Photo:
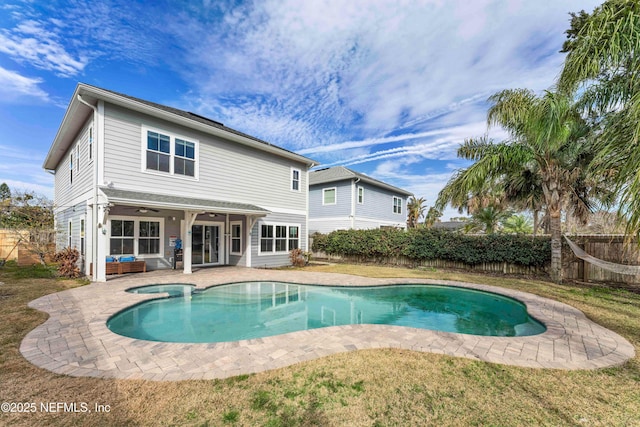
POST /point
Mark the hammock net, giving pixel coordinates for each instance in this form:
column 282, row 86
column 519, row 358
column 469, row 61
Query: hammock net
column 610, row 266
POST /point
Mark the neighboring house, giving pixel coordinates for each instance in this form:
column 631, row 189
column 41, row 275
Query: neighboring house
column 340, row 199
column 132, row 177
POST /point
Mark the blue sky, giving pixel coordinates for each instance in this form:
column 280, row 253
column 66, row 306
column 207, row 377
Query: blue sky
column 387, row 88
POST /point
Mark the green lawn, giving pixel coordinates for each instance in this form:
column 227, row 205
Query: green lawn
column 373, row 387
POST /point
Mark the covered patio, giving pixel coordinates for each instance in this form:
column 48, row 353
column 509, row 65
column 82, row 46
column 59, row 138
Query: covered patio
column 150, row 227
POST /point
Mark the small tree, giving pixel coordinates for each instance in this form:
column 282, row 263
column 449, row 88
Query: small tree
column 30, row 217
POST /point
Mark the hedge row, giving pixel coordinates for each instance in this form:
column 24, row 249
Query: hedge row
column 431, row 244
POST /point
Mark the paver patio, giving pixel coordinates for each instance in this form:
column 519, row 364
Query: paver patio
column 76, row 341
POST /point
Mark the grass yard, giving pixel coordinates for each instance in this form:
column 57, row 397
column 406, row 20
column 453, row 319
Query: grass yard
column 367, row 388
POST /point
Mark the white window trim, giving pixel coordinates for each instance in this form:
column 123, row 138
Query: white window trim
column 136, row 235
column 90, row 144
column 393, row 207
column 172, row 154
column 336, row 196
column 360, row 188
column 83, row 241
column 299, row 180
column 71, row 166
column 78, row 157
column 231, row 224
column 70, row 234
column 274, row 224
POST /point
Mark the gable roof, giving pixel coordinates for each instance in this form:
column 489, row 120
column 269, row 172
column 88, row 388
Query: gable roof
column 340, row 173
column 77, row 113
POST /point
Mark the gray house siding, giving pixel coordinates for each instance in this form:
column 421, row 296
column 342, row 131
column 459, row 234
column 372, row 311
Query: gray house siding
column 375, row 211
column 328, row 225
column 274, row 260
column 343, row 200
column 226, row 170
column 66, row 191
column 72, row 215
column 378, row 205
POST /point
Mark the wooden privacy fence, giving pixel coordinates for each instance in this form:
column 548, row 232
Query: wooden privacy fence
column 8, row 245
column 17, row 246
column 608, row 247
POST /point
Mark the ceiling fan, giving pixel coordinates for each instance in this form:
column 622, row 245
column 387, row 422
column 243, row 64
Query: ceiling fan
column 145, row 210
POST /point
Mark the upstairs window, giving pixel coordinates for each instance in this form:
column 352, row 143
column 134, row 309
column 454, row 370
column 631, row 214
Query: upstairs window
column 171, row 154
column 329, row 196
column 397, row 205
column 360, row 195
column 90, row 144
column 158, row 152
column 78, row 157
column 71, row 168
column 295, row 179
column 184, row 162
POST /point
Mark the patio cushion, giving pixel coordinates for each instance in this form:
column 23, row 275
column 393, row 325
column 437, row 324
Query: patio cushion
column 111, row 259
column 127, row 259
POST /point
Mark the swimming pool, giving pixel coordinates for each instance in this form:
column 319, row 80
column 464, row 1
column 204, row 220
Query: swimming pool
column 260, row 309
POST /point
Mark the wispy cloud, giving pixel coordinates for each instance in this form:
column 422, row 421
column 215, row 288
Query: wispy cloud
column 30, row 42
column 14, row 86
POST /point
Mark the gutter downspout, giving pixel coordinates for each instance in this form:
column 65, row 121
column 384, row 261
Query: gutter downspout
column 94, row 211
column 354, row 198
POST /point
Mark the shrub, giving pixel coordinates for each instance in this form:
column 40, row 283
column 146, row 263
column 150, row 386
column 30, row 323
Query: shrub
column 67, row 262
column 299, row 258
column 432, row 244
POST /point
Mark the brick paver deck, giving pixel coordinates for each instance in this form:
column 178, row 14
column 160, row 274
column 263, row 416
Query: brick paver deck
column 75, row 340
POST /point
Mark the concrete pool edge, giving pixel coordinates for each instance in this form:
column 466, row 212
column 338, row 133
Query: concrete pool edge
column 75, row 340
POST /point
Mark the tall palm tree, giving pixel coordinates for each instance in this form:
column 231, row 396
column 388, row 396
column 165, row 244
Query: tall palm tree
column 547, row 136
column 604, row 61
column 415, row 211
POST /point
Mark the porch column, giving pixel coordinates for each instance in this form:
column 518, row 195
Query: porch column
column 250, row 222
column 227, row 240
column 102, row 238
column 189, row 219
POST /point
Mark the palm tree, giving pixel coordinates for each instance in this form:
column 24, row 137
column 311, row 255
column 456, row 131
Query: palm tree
column 487, row 219
column 433, row 216
column 518, row 224
column 547, row 137
column 604, row 61
column 415, row 211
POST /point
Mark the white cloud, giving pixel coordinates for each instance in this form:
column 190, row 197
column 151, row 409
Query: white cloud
column 30, row 42
column 14, row 86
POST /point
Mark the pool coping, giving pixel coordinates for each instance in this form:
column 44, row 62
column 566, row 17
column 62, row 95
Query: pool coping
column 75, row 340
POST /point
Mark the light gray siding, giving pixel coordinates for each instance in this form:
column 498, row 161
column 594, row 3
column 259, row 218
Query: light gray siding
column 65, row 190
column 72, row 216
column 343, row 200
column 226, row 170
column 378, row 205
column 375, row 211
column 278, row 259
column 324, row 226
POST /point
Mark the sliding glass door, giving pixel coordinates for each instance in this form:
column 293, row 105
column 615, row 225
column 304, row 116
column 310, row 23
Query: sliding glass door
column 206, row 247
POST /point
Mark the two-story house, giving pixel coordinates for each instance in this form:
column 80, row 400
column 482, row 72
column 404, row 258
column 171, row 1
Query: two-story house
column 341, row 199
column 134, row 178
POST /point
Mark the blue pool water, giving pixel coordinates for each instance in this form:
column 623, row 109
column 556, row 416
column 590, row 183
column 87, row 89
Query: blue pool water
column 261, row 309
